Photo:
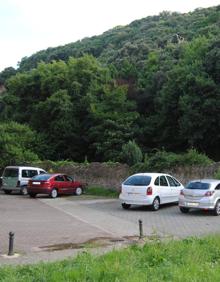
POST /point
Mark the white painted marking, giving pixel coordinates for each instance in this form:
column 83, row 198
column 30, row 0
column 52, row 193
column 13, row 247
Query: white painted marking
column 78, row 218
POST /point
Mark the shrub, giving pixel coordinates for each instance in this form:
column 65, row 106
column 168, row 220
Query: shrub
column 131, row 153
column 193, row 157
column 17, row 144
column 165, row 160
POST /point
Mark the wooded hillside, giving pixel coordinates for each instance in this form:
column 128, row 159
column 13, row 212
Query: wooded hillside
column 155, row 83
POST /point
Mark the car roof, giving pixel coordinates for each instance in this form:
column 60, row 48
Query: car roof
column 24, row 167
column 153, row 174
column 52, row 174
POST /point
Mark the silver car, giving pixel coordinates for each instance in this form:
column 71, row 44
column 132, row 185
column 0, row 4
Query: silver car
column 201, row 194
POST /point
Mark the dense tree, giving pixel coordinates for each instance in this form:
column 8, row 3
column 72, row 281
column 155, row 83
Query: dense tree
column 113, row 118
column 6, row 74
column 18, row 144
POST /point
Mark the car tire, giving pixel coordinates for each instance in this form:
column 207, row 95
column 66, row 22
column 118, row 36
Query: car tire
column 24, row 190
column 156, row 204
column 7, row 191
column 125, row 206
column 54, row 193
column 32, row 195
column 78, row 191
column 217, row 208
column 184, row 210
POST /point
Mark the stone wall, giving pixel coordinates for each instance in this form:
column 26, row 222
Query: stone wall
column 98, row 174
column 112, row 175
column 184, row 174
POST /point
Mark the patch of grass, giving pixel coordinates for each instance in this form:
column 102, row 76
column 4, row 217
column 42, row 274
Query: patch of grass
column 192, row 259
column 101, row 191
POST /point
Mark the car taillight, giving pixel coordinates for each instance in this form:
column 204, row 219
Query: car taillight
column 18, row 183
column 209, row 193
column 181, row 193
column 149, row 191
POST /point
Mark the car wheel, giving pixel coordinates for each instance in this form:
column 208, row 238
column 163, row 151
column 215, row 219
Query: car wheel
column 32, row 195
column 125, row 206
column 23, row 190
column 54, row 193
column 156, row 204
column 78, row 191
column 7, row 192
column 184, row 210
column 217, row 208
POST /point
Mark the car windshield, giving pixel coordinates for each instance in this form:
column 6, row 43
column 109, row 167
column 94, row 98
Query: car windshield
column 138, row 180
column 41, row 177
column 198, row 185
column 11, row 172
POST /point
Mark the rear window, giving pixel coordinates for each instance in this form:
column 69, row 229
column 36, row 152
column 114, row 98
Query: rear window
column 198, row 185
column 10, row 172
column 138, row 180
column 41, row 177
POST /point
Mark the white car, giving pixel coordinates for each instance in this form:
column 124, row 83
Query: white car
column 149, row 189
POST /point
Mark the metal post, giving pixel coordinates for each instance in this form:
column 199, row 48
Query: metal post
column 11, row 244
column 140, row 229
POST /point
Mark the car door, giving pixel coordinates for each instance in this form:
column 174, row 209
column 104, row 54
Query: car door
column 217, row 193
column 69, row 184
column 60, row 184
column 27, row 174
column 164, row 190
column 175, row 188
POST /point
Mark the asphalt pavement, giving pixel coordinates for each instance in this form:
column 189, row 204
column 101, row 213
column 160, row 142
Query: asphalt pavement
column 50, row 229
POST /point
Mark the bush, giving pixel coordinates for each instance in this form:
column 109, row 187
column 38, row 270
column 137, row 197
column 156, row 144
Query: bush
column 17, row 144
column 131, row 153
column 165, row 160
column 193, row 157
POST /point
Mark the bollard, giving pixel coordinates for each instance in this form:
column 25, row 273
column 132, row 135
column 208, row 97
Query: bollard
column 11, row 244
column 140, row 229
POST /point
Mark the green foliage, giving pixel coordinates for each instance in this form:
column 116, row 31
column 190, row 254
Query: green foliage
column 6, row 74
column 17, row 144
column 133, row 42
column 162, row 160
column 113, row 117
column 155, row 261
column 193, row 157
column 131, row 153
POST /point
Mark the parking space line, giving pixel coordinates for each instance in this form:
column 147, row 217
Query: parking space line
column 78, row 218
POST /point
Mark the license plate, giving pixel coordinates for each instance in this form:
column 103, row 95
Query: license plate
column 36, row 183
column 192, row 204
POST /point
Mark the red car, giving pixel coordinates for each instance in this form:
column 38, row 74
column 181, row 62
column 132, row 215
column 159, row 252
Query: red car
column 53, row 185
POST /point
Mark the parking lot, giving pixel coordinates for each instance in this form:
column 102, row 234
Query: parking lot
column 42, row 222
